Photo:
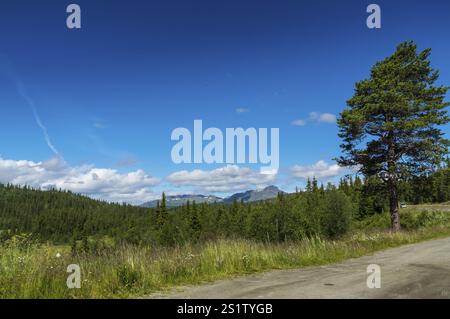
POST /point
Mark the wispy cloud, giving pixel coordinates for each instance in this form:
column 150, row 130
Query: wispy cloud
column 22, row 92
column 241, row 110
column 125, row 162
column 100, row 123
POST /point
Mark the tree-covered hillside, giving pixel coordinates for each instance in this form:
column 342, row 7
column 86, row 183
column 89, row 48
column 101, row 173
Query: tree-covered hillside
column 326, row 211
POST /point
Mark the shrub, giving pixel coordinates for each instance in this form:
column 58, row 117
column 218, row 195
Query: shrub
column 338, row 212
column 127, row 275
column 415, row 220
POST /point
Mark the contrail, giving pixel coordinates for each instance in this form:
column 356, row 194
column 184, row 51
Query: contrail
column 30, row 102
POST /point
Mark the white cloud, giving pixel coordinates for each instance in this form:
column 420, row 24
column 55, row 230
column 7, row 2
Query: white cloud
column 230, row 178
column 242, row 110
column 320, row 170
column 299, row 122
column 316, row 117
column 322, row 117
column 101, row 183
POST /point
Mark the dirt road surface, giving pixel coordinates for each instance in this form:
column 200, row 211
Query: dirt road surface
column 414, row 271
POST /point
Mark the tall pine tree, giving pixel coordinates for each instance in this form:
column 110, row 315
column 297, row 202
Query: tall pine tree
column 391, row 126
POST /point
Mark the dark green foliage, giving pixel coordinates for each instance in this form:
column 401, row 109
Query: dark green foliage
column 370, row 195
column 194, row 223
column 127, row 275
column 93, row 226
column 431, row 188
column 62, row 217
column 424, row 219
column 391, row 126
column 396, row 110
column 337, row 214
column 373, row 198
column 412, row 221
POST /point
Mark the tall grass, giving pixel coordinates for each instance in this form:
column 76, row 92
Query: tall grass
column 29, row 270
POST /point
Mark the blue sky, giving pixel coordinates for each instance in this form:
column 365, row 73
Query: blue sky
column 110, row 94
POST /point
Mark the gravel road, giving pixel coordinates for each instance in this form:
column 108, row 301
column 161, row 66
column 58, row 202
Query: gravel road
column 414, row 271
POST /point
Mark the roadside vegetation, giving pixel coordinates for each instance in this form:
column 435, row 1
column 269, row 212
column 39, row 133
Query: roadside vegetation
column 34, row 270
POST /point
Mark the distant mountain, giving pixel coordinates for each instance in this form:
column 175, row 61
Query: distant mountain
column 254, row 195
column 248, row 196
column 179, row 200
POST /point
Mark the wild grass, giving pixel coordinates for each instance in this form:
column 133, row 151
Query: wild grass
column 30, row 270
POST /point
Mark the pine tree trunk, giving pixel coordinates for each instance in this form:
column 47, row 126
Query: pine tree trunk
column 393, row 206
column 392, row 184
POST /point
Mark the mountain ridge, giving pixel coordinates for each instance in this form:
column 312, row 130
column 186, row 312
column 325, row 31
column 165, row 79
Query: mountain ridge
column 248, row 196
